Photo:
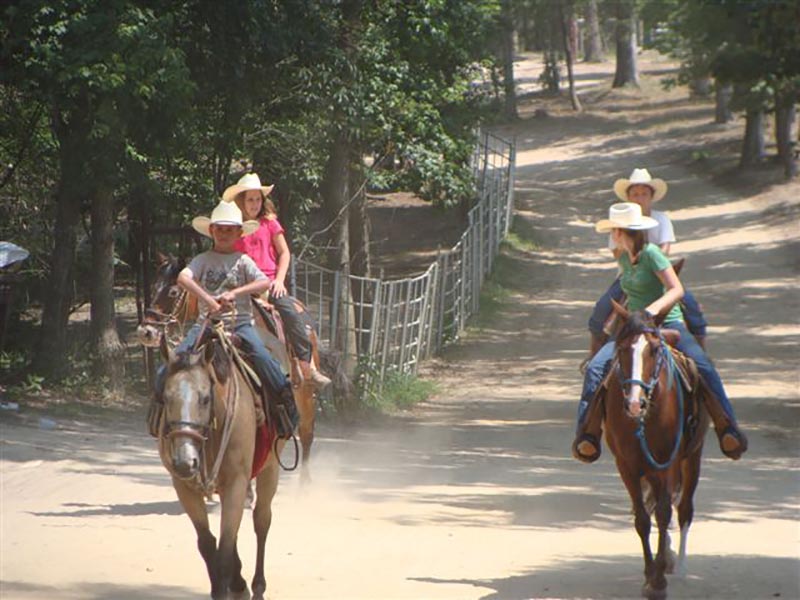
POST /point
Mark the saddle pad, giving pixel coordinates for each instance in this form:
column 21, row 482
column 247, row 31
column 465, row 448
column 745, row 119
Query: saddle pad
column 265, row 438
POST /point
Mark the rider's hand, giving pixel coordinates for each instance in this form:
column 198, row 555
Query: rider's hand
column 214, row 307
column 226, row 299
column 277, row 289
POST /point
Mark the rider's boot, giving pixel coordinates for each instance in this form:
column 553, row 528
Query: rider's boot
column 286, row 412
column 310, row 373
column 586, row 445
column 732, row 441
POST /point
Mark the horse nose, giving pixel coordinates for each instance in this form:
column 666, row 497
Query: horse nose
column 186, row 461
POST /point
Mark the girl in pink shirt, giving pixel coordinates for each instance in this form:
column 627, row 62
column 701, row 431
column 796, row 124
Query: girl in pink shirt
column 267, row 246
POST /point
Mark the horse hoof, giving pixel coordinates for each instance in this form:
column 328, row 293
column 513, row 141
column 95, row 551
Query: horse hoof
column 672, row 560
column 651, row 593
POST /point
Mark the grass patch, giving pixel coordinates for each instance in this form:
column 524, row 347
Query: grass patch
column 400, row 390
column 521, row 244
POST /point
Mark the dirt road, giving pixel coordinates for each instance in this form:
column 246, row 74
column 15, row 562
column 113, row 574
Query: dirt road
column 474, row 494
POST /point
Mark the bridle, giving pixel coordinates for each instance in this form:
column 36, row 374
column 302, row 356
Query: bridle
column 663, row 357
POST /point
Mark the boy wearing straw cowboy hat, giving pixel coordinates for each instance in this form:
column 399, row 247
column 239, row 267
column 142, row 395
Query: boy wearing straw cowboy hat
column 644, row 190
column 267, row 246
column 223, row 280
column 653, row 286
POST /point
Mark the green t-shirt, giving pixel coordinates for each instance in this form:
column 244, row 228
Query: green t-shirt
column 640, row 282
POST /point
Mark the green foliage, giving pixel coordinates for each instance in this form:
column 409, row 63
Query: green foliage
column 399, row 390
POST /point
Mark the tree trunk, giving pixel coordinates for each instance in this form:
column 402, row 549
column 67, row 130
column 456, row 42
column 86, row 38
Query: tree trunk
column 626, row 72
column 566, row 17
column 594, row 45
column 51, row 352
column 109, row 353
column 784, row 118
column 722, row 97
column 507, row 19
column 360, row 263
column 700, row 87
column 753, row 144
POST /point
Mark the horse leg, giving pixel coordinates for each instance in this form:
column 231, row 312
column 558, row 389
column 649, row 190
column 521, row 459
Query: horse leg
column 656, row 586
column 307, row 406
column 641, row 517
column 266, row 486
column 232, row 495
column 195, row 506
column 690, row 470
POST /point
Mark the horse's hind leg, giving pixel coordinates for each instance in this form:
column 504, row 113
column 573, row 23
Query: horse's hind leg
column 307, row 407
column 266, row 486
column 690, row 471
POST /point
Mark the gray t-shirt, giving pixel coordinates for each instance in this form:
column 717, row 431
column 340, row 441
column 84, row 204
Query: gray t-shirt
column 217, row 273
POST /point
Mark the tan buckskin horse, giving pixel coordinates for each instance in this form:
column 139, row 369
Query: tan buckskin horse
column 655, row 429
column 207, row 441
column 171, row 307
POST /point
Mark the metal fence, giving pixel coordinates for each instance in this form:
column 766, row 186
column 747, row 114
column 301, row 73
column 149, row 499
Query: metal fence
column 392, row 325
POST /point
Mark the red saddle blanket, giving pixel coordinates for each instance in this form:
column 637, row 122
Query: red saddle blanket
column 265, row 438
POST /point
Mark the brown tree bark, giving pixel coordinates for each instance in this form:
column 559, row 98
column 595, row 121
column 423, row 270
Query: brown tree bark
column 50, row 357
column 109, row 353
column 753, row 143
column 784, row 118
column 722, row 102
column 507, row 20
column 594, row 44
column 626, row 72
column 567, row 18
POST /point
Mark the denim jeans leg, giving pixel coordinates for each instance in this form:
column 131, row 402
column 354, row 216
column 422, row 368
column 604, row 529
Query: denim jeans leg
column 603, row 307
column 269, row 369
column 695, row 319
column 689, row 346
column 294, row 326
column 596, row 371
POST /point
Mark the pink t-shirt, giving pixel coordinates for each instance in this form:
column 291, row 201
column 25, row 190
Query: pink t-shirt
column 258, row 246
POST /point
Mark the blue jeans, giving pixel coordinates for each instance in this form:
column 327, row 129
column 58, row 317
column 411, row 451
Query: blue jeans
column 602, row 309
column 598, row 367
column 294, row 326
column 269, row 370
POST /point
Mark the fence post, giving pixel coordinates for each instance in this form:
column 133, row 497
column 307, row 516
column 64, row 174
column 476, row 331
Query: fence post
column 512, row 169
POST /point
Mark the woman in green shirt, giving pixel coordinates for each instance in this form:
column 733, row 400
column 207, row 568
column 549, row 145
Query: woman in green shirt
column 652, row 285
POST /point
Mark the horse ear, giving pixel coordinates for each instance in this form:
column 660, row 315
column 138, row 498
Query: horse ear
column 163, row 346
column 181, row 261
column 161, row 258
column 620, row 310
column 214, row 356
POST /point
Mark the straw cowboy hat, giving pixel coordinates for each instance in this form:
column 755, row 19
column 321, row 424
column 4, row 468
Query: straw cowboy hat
column 640, row 177
column 224, row 213
column 247, row 182
column 625, row 215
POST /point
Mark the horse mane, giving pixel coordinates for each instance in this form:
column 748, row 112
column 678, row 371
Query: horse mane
column 188, row 359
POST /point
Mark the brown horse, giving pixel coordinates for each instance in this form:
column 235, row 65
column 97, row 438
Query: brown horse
column 655, row 430
column 207, row 441
column 171, row 307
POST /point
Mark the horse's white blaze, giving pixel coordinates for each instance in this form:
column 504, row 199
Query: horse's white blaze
column 681, row 569
column 634, row 396
column 187, row 394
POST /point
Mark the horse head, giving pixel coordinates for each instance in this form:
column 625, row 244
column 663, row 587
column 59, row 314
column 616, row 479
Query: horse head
column 640, row 359
column 193, row 380
column 166, row 294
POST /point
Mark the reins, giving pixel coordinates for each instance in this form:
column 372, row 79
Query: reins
column 664, row 356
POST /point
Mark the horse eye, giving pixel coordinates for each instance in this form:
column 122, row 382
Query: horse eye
column 205, row 399
column 173, row 292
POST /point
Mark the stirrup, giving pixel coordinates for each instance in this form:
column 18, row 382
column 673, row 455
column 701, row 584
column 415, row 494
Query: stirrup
column 591, row 439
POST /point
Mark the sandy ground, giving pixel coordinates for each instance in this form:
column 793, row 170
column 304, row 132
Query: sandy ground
column 474, row 494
